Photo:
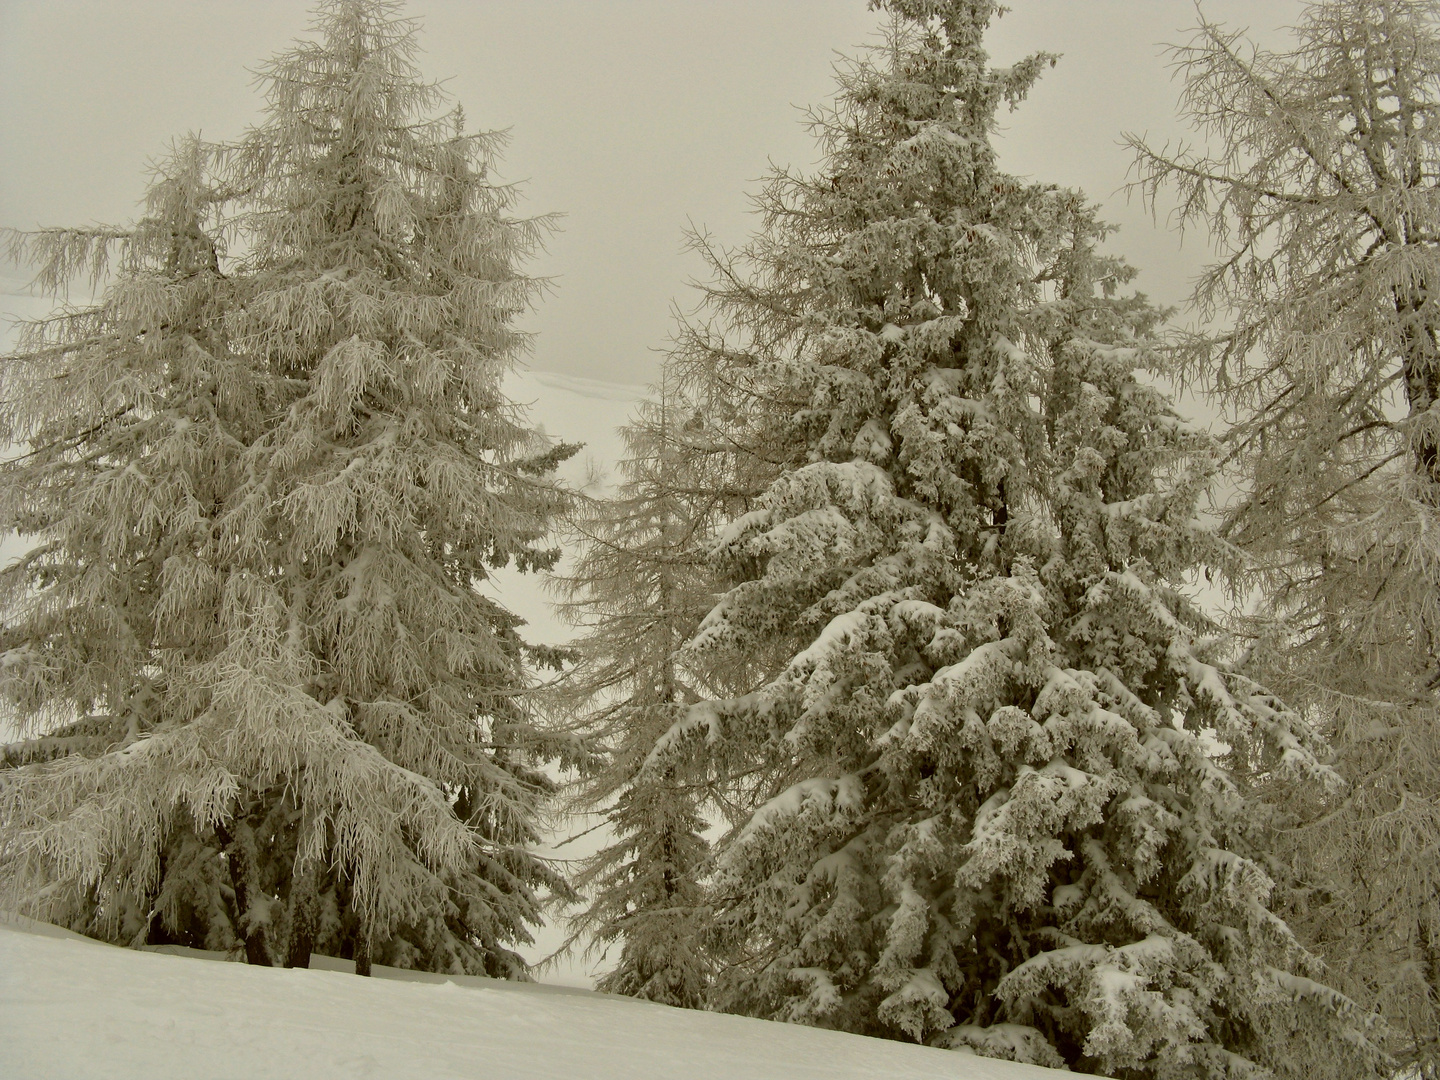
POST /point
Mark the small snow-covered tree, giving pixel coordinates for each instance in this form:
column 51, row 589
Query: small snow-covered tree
column 1317, row 176
column 995, row 792
column 639, row 588
column 267, row 491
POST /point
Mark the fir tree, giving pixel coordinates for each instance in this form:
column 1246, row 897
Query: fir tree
column 1317, row 180
column 267, row 491
column 992, row 774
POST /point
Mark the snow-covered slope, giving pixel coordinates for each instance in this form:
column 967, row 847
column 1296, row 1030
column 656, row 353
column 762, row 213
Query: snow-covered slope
column 77, row 1009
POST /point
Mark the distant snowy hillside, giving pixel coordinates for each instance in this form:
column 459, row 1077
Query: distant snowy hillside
column 74, row 1008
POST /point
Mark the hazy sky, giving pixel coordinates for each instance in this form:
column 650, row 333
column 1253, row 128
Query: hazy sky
column 631, row 117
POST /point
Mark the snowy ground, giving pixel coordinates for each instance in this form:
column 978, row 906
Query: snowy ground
column 78, row 1009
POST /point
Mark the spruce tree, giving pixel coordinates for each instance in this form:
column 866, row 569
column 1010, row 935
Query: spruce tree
column 1317, row 180
column 993, row 776
column 268, row 489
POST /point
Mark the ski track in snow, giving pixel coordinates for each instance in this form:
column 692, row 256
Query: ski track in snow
column 75, row 1008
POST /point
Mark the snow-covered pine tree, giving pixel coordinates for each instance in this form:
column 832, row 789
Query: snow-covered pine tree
column 1317, row 176
column 639, row 587
column 265, row 520
column 996, row 796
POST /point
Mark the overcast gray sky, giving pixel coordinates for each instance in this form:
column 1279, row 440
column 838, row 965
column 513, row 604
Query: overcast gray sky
column 631, row 117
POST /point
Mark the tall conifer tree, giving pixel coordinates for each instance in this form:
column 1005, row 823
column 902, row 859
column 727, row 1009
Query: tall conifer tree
column 268, row 490
column 994, row 792
column 1318, row 181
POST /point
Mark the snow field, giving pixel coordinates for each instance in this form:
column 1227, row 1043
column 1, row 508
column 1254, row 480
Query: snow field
column 158, row 1017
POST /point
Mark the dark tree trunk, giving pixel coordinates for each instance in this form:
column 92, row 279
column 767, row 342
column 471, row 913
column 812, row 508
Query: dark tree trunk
column 304, row 912
column 239, row 857
column 1421, row 371
column 362, row 953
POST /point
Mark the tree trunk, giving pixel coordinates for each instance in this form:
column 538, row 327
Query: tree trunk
column 362, row 953
column 239, row 857
column 304, row 905
column 1422, row 373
